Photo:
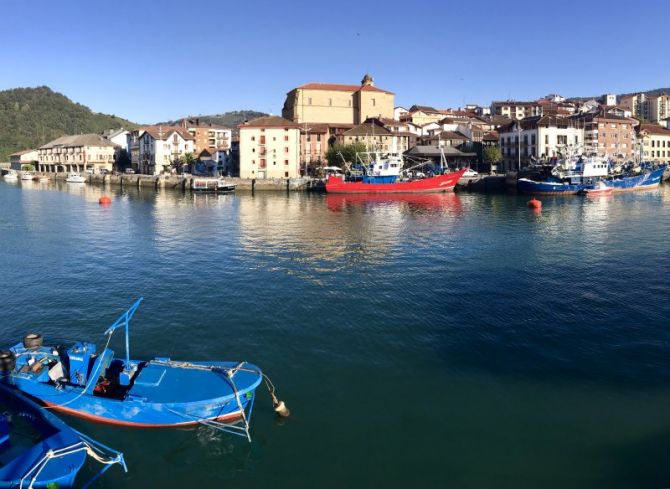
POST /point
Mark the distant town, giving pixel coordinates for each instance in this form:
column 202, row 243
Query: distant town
column 319, row 117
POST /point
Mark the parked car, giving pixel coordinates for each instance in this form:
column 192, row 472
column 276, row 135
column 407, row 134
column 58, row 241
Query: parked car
column 129, row 171
column 104, row 171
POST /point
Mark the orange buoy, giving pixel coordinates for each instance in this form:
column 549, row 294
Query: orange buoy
column 104, row 200
column 535, row 204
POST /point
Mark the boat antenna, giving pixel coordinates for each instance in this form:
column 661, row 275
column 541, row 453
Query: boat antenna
column 124, row 321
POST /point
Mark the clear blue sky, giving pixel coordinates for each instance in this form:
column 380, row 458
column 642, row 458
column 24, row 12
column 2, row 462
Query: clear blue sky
column 156, row 60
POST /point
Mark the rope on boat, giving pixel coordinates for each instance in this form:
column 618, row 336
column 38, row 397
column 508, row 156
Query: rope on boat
column 91, row 448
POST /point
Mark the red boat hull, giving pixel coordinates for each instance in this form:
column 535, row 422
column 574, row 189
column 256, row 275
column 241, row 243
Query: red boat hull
column 439, row 183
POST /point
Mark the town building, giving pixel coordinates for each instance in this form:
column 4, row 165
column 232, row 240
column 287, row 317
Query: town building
column 516, row 109
column 422, row 115
column 609, row 99
column 655, row 142
column 25, row 157
column 76, row 153
column 336, row 104
column 314, row 142
column 652, row 108
column 160, row 147
column 270, row 148
column 207, row 135
column 376, row 137
column 607, row 134
column 537, row 138
column 398, row 112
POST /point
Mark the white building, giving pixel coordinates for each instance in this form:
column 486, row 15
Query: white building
column 25, row 157
column 77, row 153
column 270, row 148
column 398, row 112
column 160, row 146
column 540, row 137
column 609, row 99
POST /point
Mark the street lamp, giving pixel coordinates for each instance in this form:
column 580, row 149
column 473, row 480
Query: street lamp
column 518, row 131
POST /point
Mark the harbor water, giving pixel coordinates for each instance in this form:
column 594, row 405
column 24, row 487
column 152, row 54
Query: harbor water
column 452, row 340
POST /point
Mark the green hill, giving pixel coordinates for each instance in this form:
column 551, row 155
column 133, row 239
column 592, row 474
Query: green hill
column 30, row 117
column 230, row 119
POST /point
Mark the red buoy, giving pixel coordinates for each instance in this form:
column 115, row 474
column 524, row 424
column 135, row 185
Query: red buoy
column 534, row 204
column 104, row 200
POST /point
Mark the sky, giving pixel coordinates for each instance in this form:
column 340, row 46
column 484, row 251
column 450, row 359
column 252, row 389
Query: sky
column 151, row 61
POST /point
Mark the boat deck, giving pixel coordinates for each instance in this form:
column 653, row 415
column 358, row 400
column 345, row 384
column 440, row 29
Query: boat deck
column 160, row 383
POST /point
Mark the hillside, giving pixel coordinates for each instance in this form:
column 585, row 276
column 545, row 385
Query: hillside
column 648, row 93
column 229, row 119
column 30, row 117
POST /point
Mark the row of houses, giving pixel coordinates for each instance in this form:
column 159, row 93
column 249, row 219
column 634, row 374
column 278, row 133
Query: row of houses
column 315, row 116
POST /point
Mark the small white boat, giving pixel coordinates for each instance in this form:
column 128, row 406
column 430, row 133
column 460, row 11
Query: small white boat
column 11, row 176
column 43, row 179
column 223, row 186
column 27, row 175
column 75, row 178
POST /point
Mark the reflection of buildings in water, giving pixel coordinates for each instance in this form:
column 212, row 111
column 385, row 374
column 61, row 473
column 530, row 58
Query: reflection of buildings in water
column 332, row 232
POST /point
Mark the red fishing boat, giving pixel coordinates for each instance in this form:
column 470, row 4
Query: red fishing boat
column 438, row 183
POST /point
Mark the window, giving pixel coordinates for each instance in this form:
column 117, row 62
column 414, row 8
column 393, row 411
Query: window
column 309, row 101
column 253, row 138
column 286, row 174
column 374, row 102
column 286, row 162
column 330, row 101
column 546, row 139
column 286, row 138
column 285, row 149
column 262, row 165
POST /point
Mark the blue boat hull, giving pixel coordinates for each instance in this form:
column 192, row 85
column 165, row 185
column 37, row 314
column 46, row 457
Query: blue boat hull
column 162, row 396
column 547, row 188
column 57, row 472
column 645, row 181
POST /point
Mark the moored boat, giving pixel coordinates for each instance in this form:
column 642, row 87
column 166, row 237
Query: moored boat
column 11, row 176
column 38, row 450
column 645, row 181
column 27, row 175
column 75, row 178
column 210, row 184
column 92, row 384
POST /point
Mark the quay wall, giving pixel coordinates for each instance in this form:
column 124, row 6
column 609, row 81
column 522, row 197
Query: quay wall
column 185, row 182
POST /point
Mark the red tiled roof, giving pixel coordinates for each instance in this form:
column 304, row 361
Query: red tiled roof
column 270, row 121
column 163, row 132
column 653, row 129
column 341, row 87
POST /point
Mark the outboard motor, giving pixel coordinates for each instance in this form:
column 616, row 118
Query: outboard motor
column 79, row 357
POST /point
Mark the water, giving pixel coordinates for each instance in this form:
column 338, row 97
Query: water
column 437, row 341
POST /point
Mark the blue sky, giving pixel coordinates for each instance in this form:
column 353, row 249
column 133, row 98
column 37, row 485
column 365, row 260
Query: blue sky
column 156, row 60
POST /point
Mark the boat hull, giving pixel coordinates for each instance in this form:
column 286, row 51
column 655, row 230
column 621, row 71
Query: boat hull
column 532, row 187
column 58, row 472
column 646, row 181
column 439, row 183
column 162, row 396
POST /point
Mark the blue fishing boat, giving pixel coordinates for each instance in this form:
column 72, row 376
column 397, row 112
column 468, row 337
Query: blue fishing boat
column 82, row 381
column 568, row 177
column 38, row 450
column 648, row 180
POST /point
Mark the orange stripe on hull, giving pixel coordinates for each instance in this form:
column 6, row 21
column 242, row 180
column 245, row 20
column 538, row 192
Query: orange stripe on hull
column 116, row 422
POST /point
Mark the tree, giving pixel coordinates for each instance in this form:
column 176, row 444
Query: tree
column 492, row 155
column 27, row 168
column 337, row 152
column 122, row 160
column 188, row 160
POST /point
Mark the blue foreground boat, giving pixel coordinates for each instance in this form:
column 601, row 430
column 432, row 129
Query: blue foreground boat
column 92, row 384
column 38, row 450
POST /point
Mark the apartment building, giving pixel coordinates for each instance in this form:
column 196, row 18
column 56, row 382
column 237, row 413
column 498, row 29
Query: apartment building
column 270, row 148
column 160, row 146
column 515, row 109
column 76, row 153
column 422, row 115
column 207, row 135
column 653, row 108
column 538, row 137
column 607, row 134
column 655, row 142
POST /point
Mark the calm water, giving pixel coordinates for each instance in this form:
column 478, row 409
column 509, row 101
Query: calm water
column 442, row 341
